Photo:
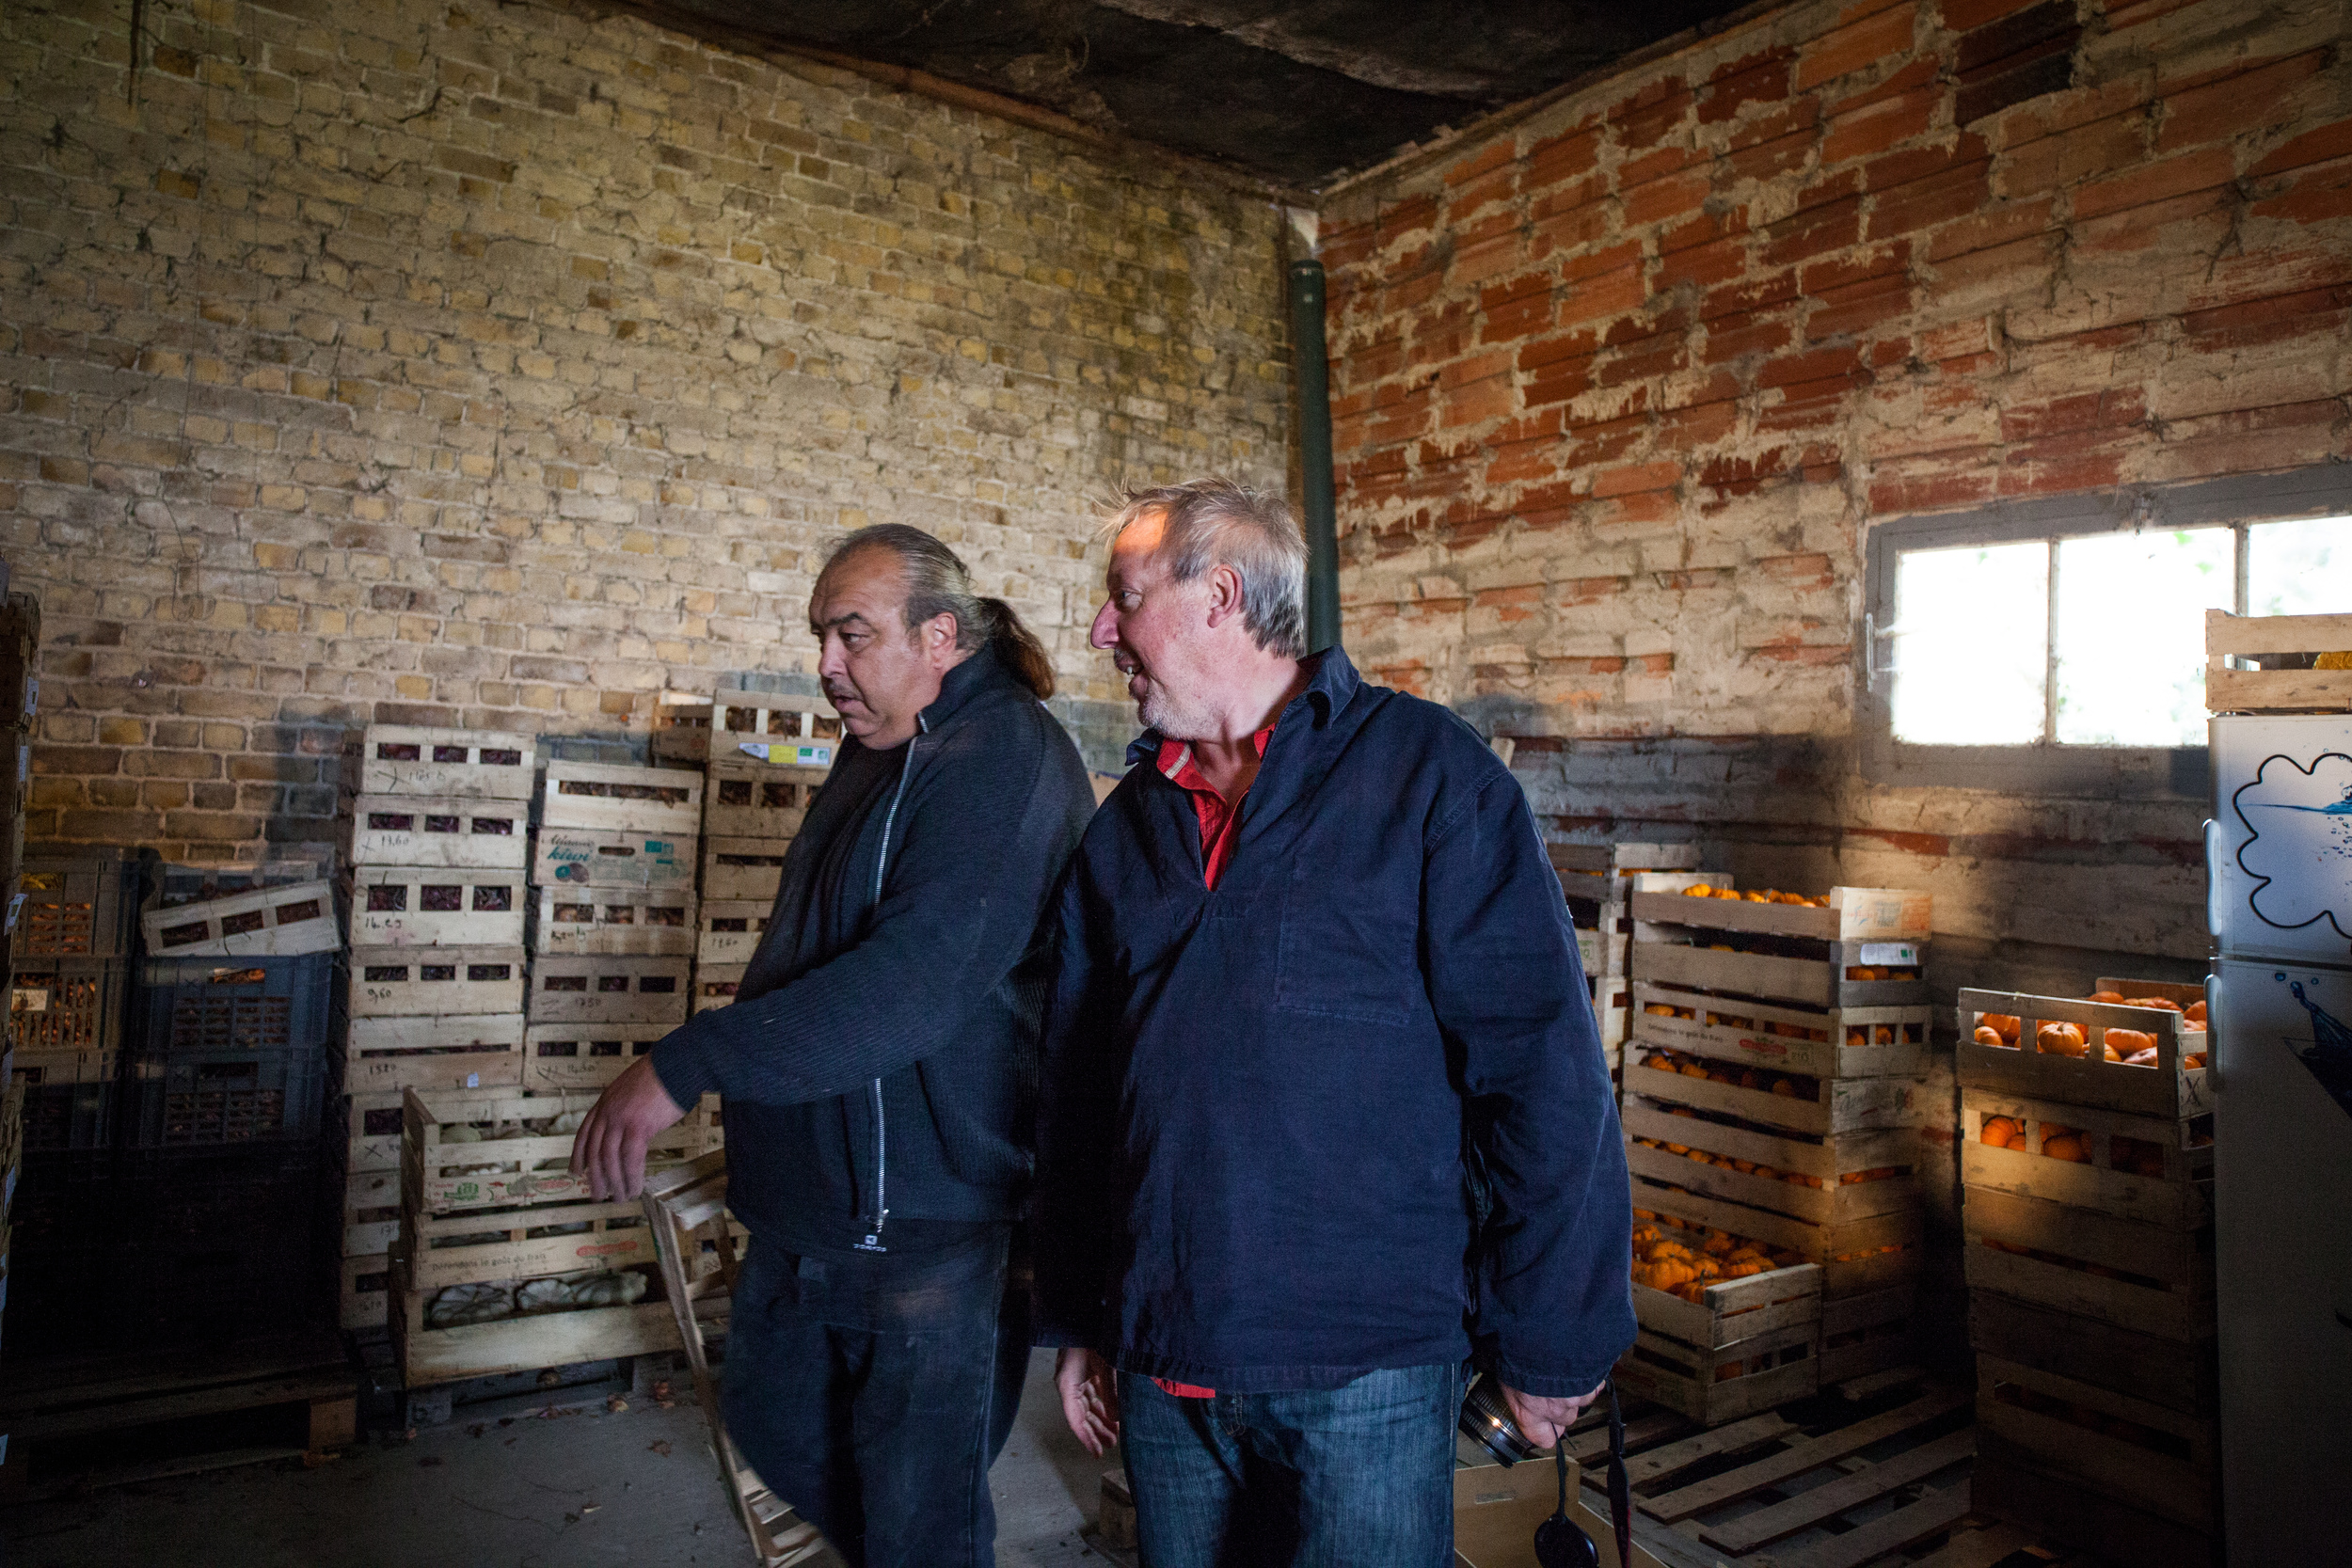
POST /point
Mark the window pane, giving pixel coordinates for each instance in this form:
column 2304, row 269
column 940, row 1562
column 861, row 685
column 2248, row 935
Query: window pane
column 2131, row 634
column 2302, row 567
column 1970, row 646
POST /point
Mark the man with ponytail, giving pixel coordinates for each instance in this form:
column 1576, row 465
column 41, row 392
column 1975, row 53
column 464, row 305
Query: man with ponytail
column 879, row 1065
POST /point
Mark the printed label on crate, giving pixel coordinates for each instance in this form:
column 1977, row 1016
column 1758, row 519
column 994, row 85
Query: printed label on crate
column 790, row 753
column 1902, row 955
column 574, row 862
column 26, row 1001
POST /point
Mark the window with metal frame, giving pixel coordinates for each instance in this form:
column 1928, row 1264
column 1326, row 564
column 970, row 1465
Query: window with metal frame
column 2057, row 646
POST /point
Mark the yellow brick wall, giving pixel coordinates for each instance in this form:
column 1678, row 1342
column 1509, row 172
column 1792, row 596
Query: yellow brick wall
column 500, row 364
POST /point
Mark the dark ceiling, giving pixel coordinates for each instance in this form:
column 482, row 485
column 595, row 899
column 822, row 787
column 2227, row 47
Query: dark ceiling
column 1295, row 91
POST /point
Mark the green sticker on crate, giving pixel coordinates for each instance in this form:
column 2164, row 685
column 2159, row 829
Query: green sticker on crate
column 466, row 1190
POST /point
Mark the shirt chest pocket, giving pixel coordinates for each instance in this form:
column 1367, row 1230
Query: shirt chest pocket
column 1350, row 952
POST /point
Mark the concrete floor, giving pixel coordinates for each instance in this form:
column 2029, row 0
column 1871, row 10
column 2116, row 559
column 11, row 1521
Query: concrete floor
column 638, row 1488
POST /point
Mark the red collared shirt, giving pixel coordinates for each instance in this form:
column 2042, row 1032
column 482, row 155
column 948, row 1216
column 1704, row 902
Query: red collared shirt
column 1218, row 821
column 1219, row 828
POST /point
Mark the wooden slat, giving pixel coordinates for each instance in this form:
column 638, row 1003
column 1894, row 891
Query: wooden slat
column 1790, row 1463
column 1810, row 1507
column 1755, row 1430
column 1890, row 1532
column 1641, row 1432
column 1978, row 1548
column 1873, row 1384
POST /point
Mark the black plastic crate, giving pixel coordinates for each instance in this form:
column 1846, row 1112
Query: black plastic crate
column 81, row 905
column 64, row 1007
column 224, row 1241
column 217, row 1098
column 215, row 1004
column 68, row 1114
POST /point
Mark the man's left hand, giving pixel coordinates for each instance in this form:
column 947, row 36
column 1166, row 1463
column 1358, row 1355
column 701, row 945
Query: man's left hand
column 1542, row 1420
column 609, row 1146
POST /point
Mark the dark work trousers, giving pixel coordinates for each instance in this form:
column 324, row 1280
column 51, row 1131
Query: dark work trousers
column 873, row 1394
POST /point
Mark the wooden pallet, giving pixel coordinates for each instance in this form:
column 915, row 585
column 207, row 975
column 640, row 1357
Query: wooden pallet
column 447, row 831
column 2276, row 690
column 596, row 857
column 402, row 759
column 67, row 1402
column 582, row 1056
column 412, row 906
column 570, row 919
column 743, row 868
column 2169, row 1091
column 605, row 989
column 667, row 803
column 416, row 982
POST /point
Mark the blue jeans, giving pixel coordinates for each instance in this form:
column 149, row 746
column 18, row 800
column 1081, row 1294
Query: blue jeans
column 1355, row 1477
column 873, row 1394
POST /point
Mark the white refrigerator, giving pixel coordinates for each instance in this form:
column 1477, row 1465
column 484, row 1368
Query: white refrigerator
column 2279, row 854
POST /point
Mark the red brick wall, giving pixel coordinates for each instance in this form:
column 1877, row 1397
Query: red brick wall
column 1620, row 389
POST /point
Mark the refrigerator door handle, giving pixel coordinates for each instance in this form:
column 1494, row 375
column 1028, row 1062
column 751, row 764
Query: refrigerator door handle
column 2213, row 878
column 2214, row 1077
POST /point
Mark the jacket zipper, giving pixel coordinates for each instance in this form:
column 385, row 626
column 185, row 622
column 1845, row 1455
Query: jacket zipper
column 873, row 1241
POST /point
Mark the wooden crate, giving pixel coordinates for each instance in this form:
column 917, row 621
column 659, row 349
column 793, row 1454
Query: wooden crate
column 430, row 982
column 743, row 868
column 614, row 920
column 474, row 1248
column 580, row 1056
column 1857, row 1256
column 278, row 922
column 2181, row 1377
column 715, row 985
column 1680, row 956
column 1835, row 1106
column 681, row 727
column 366, row 1130
column 665, row 801
column 599, row 988
column 364, row 1298
column 449, row 1051
column 402, row 759
column 447, row 831
column 1826, row 1160
column 751, row 799
column 1601, row 954
column 2169, row 1091
column 2117, row 1446
column 1749, row 1345
column 431, row 1355
column 371, row 1211
column 802, row 733
column 503, row 1164
column 2275, row 691
column 730, row 930
column 2179, row 1194
column 1855, row 914
column 594, row 857
column 1621, row 860
column 2151, row 1278
column 415, row 906
column 1873, row 1332
column 2012, row 1485
column 1839, row 1043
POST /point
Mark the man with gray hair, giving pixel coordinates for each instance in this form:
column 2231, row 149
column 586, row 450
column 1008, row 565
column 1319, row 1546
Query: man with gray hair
column 1326, row 1112
column 879, row 1063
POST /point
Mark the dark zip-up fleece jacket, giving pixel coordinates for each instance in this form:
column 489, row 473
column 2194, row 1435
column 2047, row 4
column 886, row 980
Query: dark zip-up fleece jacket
column 1259, row 1101
column 881, row 1055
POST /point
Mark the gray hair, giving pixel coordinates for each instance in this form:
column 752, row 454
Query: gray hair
column 938, row 584
column 1214, row 522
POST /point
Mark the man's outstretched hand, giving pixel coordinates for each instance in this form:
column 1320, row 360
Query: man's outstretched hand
column 1090, row 1397
column 1545, row 1420
column 609, row 1146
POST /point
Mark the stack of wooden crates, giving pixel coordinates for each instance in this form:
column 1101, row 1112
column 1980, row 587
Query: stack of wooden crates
column 1597, row 881
column 2089, row 1261
column 441, row 845
column 1775, row 1095
column 767, row 754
